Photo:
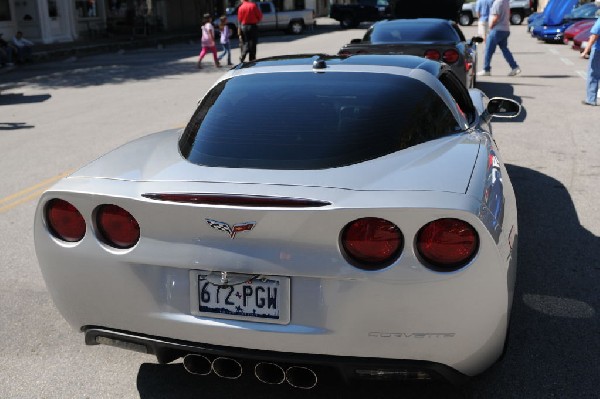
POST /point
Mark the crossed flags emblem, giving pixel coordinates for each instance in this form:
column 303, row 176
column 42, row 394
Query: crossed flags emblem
column 231, row 230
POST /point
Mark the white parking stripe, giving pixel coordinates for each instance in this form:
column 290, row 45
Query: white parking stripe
column 553, row 51
column 566, row 61
column 582, row 74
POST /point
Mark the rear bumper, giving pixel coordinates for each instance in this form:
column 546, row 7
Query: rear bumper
column 349, row 368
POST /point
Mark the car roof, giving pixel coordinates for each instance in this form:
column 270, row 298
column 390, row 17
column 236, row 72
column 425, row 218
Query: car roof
column 403, row 21
column 361, row 62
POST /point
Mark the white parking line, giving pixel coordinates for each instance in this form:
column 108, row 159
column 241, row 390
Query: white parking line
column 566, row 61
column 553, row 51
column 582, row 74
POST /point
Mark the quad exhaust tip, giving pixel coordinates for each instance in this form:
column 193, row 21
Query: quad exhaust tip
column 267, row 373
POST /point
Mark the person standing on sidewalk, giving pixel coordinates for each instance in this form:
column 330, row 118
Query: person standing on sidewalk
column 499, row 32
column 249, row 15
column 482, row 8
column 592, row 50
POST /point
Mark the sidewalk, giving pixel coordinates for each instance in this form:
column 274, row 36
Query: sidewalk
column 57, row 51
column 97, row 45
column 47, row 52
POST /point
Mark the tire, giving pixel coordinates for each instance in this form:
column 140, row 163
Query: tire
column 348, row 21
column 465, row 19
column 516, row 17
column 296, row 27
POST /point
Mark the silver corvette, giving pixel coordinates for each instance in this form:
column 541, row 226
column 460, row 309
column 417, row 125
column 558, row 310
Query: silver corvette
column 316, row 214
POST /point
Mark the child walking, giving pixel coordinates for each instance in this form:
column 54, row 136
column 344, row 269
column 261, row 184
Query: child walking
column 208, row 41
column 225, row 33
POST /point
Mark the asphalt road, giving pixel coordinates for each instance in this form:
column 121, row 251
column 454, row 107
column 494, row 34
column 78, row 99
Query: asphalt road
column 57, row 116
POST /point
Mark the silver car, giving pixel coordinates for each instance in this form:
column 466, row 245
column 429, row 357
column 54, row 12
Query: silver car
column 316, row 214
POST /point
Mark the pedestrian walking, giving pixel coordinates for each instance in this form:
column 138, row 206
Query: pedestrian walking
column 482, row 8
column 249, row 15
column 499, row 21
column 225, row 33
column 592, row 50
column 208, row 41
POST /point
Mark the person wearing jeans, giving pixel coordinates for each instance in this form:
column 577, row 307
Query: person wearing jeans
column 498, row 37
column 593, row 76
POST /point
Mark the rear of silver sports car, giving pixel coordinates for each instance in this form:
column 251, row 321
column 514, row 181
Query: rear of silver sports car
column 369, row 234
column 281, row 280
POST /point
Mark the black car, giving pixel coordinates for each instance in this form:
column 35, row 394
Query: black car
column 432, row 38
column 351, row 14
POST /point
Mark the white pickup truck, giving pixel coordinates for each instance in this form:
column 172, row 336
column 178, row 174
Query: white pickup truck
column 290, row 21
column 519, row 9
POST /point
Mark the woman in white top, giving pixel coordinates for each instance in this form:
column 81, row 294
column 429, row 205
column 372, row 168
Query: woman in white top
column 225, row 33
column 208, row 41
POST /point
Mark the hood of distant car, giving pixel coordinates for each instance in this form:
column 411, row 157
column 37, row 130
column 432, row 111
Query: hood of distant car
column 444, row 164
column 556, row 10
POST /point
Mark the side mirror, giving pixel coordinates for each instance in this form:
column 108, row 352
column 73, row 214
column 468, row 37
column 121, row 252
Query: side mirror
column 477, row 39
column 355, row 41
column 503, row 108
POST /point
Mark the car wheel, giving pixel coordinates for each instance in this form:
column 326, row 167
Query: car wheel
column 516, row 18
column 347, row 22
column 296, row 27
column 465, row 19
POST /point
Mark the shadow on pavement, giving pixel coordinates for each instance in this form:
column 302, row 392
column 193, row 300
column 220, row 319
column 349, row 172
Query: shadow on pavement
column 15, row 126
column 20, row 98
column 554, row 338
column 120, row 62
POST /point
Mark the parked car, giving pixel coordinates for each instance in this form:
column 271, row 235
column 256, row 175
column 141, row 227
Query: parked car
column 577, row 28
column 290, row 21
column 534, row 20
column 355, row 202
column 519, row 10
column 433, row 38
column 580, row 41
column 351, row 14
column 554, row 33
column 444, row 9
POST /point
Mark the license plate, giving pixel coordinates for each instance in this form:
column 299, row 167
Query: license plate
column 237, row 296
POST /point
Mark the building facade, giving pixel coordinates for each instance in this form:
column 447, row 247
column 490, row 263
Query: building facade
column 52, row 21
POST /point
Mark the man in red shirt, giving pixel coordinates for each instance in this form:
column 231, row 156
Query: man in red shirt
column 249, row 15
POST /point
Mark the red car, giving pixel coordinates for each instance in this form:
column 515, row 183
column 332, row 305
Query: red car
column 580, row 41
column 577, row 28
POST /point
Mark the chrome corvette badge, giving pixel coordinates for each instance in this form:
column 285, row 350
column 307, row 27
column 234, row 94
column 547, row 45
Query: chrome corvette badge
column 231, row 230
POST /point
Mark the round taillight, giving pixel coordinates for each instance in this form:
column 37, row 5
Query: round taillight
column 450, row 56
column 372, row 243
column 117, row 227
column 432, row 55
column 64, row 220
column 447, row 244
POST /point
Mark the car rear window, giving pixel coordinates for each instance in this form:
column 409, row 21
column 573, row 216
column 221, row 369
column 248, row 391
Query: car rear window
column 411, row 31
column 312, row 120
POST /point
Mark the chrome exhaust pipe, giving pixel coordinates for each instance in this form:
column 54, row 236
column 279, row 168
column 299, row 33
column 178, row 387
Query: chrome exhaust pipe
column 227, row 368
column 301, row 377
column 197, row 364
column 269, row 373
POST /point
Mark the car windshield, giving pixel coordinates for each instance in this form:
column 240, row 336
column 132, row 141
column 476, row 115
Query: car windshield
column 585, row 11
column 411, row 31
column 312, row 120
